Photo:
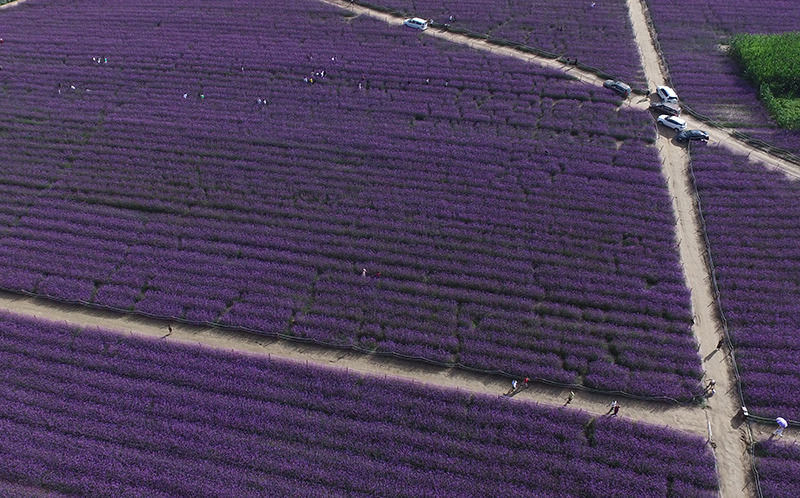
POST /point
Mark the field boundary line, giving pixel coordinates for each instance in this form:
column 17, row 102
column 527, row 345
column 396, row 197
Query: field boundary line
column 11, row 3
column 688, row 418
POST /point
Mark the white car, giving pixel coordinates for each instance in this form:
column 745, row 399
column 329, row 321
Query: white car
column 673, row 122
column 667, row 94
column 416, row 23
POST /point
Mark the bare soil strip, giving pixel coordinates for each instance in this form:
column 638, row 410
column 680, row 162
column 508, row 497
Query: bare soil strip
column 729, row 432
column 727, row 426
column 687, row 418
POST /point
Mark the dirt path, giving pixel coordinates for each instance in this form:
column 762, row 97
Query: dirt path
column 688, row 418
column 720, row 415
column 728, row 428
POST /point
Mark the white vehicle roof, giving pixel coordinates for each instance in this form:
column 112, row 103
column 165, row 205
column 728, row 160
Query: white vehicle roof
column 667, row 91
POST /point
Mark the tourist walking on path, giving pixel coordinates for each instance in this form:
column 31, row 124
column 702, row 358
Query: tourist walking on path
column 782, row 424
column 570, row 398
column 614, row 406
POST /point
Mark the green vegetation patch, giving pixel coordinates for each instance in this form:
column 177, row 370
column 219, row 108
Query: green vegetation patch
column 772, row 63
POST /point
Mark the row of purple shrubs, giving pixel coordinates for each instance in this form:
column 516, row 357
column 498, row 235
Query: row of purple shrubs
column 693, row 35
column 778, row 466
column 753, row 223
column 508, row 217
column 92, row 413
column 598, row 34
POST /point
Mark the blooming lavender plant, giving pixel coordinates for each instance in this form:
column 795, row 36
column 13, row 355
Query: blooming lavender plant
column 87, row 412
column 418, row 198
column 778, row 467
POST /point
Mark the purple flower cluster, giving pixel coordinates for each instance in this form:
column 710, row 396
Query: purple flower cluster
column 598, row 34
column 753, row 225
column 778, row 468
column 89, row 413
column 177, row 160
column 693, row 36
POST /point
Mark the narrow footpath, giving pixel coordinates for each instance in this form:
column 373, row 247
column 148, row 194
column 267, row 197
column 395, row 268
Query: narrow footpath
column 720, row 420
column 689, row 418
column 650, row 62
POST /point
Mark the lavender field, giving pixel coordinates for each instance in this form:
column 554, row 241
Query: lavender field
column 181, row 161
column 598, row 34
column 753, row 224
column 778, row 466
column 88, row 413
column 693, row 37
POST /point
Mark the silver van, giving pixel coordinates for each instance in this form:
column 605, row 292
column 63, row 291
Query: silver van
column 416, row 23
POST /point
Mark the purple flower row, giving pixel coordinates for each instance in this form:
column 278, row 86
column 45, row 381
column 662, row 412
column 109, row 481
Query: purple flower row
column 93, row 413
column 481, row 194
column 778, row 467
column 752, row 214
column 703, row 73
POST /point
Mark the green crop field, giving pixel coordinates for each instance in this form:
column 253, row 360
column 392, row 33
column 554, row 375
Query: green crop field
column 772, row 63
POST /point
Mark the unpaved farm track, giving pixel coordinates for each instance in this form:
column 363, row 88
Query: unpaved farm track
column 728, row 431
column 687, row 418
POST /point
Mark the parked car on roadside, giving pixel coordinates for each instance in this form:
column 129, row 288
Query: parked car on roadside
column 672, row 122
column 618, row 86
column 666, row 108
column 667, row 94
column 416, row 23
column 690, row 135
